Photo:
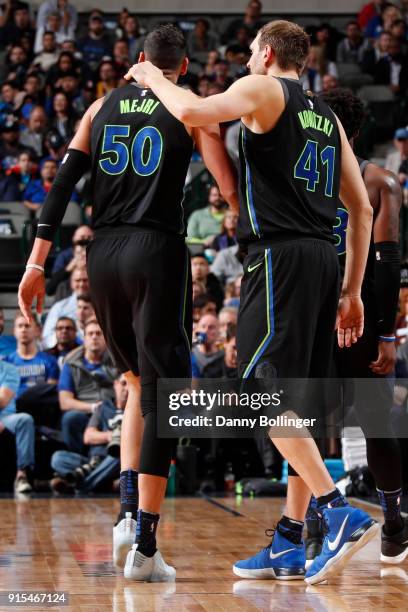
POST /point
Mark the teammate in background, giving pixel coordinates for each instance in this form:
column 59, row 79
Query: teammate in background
column 294, row 160
column 374, row 356
column 139, row 270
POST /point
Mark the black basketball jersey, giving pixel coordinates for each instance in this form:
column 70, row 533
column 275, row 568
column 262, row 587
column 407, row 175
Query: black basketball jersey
column 140, row 156
column 340, row 230
column 289, row 177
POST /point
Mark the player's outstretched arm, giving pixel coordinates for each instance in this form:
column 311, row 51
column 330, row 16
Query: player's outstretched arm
column 218, row 163
column 241, row 99
column 350, row 319
column 74, row 165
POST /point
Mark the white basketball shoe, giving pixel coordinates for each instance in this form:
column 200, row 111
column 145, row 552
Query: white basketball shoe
column 124, row 535
column 148, row 569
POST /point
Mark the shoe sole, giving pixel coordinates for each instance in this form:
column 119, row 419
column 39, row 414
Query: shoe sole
column 153, row 578
column 347, row 551
column 394, row 560
column 266, row 574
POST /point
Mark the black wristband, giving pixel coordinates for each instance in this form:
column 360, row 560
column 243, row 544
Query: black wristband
column 386, row 285
column 73, row 166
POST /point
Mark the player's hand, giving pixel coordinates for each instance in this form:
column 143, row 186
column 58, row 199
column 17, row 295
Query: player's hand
column 32, row 287
column 350, row 320
column 387, row 357
column 143, row 73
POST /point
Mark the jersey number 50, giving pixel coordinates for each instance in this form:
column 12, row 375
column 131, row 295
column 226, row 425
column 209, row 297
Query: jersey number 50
column 306, row 167
column 145, row 150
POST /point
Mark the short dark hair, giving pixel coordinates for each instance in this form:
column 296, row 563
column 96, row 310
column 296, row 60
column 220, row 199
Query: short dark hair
column 289, row 42
column 165, row 47
column 84, row 297
column 66, row 319
column 348, row 108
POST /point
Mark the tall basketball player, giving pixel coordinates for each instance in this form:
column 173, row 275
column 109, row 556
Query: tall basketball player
column 295, row 159
column 138, row 264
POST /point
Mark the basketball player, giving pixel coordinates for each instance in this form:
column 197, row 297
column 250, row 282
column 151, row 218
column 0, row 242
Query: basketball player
column 138, row 265
column 294, row 161
column 374, row 356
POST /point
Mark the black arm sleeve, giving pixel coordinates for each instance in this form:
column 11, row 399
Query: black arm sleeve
column 74, row 165
column 387, row 284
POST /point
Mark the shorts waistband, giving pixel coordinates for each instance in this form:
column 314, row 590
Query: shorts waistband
column 261, row 245
column 128, row 230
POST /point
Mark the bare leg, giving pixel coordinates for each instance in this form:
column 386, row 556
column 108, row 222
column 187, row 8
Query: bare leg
column 132, row 426
column 151, row 492
column 298, row 498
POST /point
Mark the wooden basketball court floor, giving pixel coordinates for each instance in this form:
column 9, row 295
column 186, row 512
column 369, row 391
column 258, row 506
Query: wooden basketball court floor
column 60, row 544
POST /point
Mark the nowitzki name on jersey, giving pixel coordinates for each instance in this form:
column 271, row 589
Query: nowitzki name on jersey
column 310, row 119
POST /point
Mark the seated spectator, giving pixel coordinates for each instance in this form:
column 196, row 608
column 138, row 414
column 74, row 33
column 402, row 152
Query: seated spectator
column 67, row 11
column 251, row 20
column 396, row 158
column 7, row 343
column 65, row 333
column 96, row 470
column 34, row 366
column 222, row 75
column 17, row 25
column 225, row 365
column 202, row 305
column 212, row 58
column 385, row 62
column 200, row 271
column 17, row 64
column 10, row 147
column 21, row 425
column 232, row 292
column 352, row 48
column 59, row 283
column 329, row 82
column 198, row 289
column 66, row 307
column 121, row 57
column 316, row 67
column 33, row 89
column 56, row 147
column 382, row 23
column 227, row 316
column 66, row 64
column 86, row 381
column 9, row 191
column 399, row 31
column 83, row 233
column 370, row 10
column 326, row 38
column 10, row 96
column 226, row 265
column 54, row 23
column 107, row 78
column 64, row 116
column 204, row 224
column 33, row 137
column 24, row 172
column 133, row 37
column 96, row 44
column 237, row 56
column 36, row 191
column 200, row 41
column 227, row 237
column 84, row 313
column 206, row 348
column 49, row 54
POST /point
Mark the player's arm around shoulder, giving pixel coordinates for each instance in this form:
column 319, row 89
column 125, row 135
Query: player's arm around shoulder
column 218, row 163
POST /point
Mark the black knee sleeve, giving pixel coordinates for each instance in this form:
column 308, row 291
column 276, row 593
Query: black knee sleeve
column 384, row 462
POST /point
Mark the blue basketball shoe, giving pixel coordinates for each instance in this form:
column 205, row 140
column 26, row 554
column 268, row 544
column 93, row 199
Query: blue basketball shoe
column 281, row 560
column 348, row 530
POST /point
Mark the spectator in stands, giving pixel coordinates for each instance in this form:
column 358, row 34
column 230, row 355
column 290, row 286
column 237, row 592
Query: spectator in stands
column 201, row 271
column 133, row 37
column 370, row 10
column 232, row 292
column 56, row 146
column 97, row 469
column 252, row 20
column 21, row 425
column 23, row 172
column 382, row 23
column 9, row 191
column 33, row 137
column 54, row 23
column 395, row 159
column 64, row 115
column 59, row 283
column 107, row 78
column 202, row 305
column 204, row 224
column 17, row 64
column 16, row 26
column 386, row 62
column 329, row 82
column 96, row 43
column 222, row 75
column 7, row 342
column 226, row 265
column 84, row 313
column 207, row 337
column 10, row 147
column 200, row 41
column 66, row 307
column 10, row 96
column 36, row 191
column 66, row 64
column 65, row 333
column 121, row 57
column 399, row 31
column 66, row 10
column 35, row 367
column 237, row 56
column 226, row 364
column 49, row 54
column 352, row 48
column 316, row 67
column 33, row 89
column 228, row 235
column 326, row 38
column 83, row 233
column 227, row 316
column 86, row 381
column 212, row 58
